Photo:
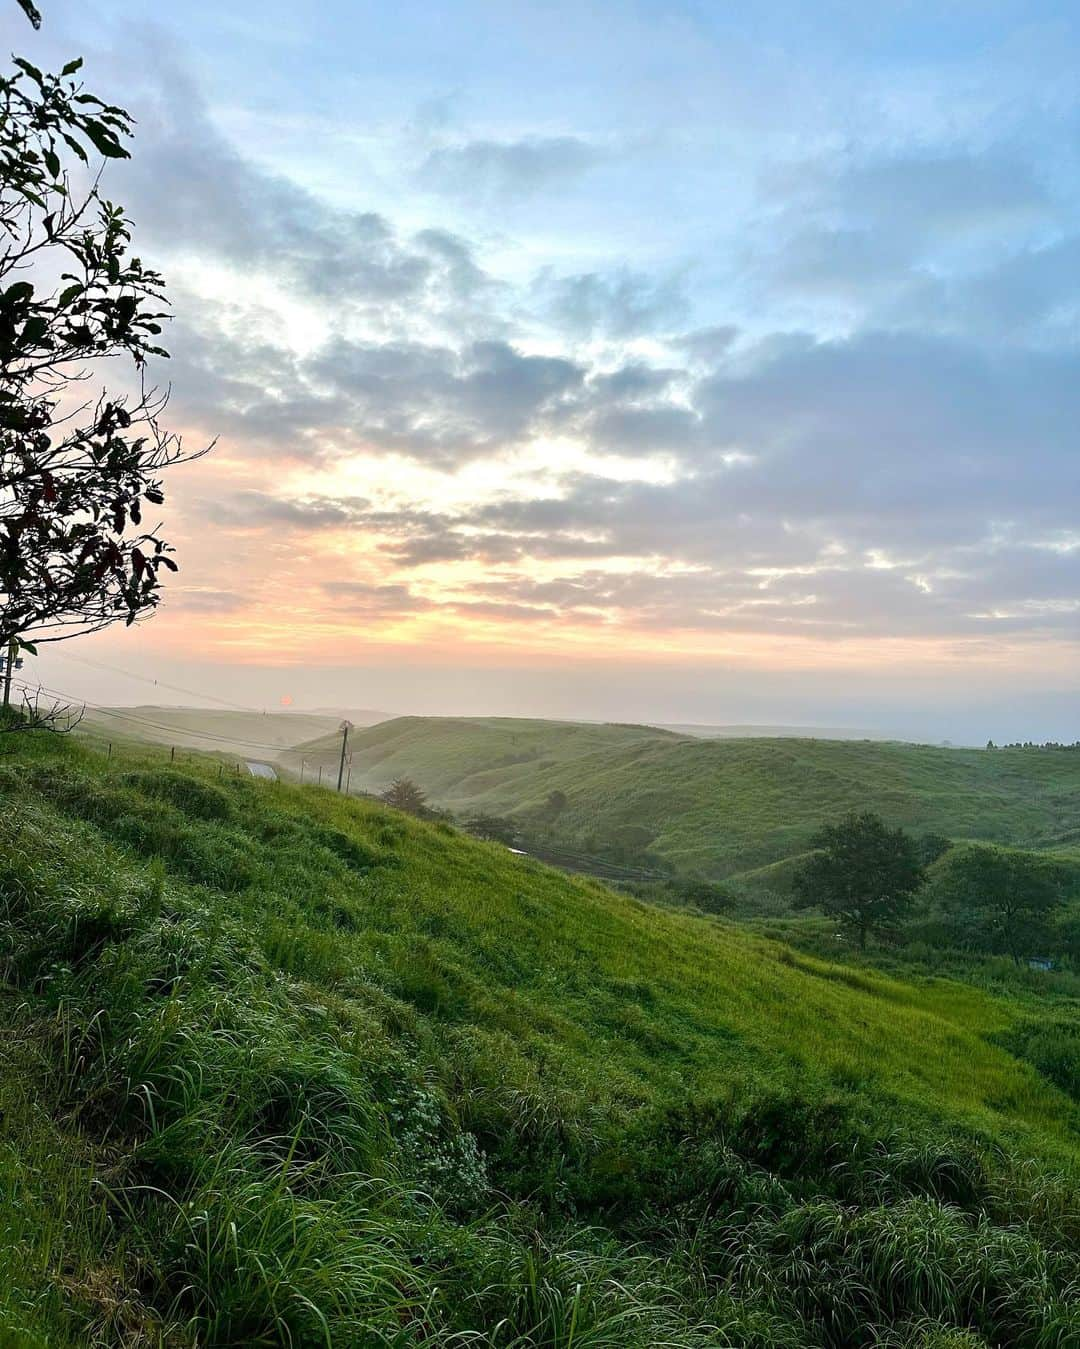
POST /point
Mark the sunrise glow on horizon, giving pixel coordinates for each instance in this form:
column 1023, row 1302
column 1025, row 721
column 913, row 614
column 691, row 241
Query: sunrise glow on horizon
column 631, row 338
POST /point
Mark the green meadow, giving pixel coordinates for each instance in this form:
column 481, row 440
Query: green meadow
column 282, row 1067
column 719, row 808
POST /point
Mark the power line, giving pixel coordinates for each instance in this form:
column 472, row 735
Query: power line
column 145, row 679
column 157, row 725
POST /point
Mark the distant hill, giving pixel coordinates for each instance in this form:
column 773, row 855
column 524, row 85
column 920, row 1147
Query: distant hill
column 364, row 716
column 209, row 728
column 222, row 730
column 718, row 806
column 768, row 732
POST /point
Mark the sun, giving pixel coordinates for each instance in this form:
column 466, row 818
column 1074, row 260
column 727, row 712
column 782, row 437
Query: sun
column 286, row 700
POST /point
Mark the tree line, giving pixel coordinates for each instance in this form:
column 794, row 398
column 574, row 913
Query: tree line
column 1033, row 744
column 872, row 879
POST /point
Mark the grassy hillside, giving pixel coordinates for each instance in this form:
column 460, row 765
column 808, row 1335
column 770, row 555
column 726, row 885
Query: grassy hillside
column 278, row 1067
column 746, row 731
column 719, row 807
column 208, row 729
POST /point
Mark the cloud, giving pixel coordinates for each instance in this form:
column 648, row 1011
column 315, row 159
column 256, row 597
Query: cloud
column 618, row 304
column 705, row 346
column 195, row 197
column 488, row 169
column 253, row 509
column 440, row 404
column 878, row 441
column 374, row 600
column 897, row 237
column 187, row 599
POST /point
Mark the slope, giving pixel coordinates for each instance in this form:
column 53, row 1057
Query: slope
column 719, row 807
column 281, row 1067
column 207, row 728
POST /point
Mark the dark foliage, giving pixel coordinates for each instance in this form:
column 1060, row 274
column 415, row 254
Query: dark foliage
column 1001, row 900
column 404, row 794
column 76, row 474
column 863, row 873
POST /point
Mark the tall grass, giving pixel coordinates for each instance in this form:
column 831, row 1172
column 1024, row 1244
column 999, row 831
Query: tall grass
column 280, row 1068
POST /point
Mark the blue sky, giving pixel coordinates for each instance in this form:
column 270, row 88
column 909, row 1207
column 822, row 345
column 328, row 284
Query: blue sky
column 730, row 348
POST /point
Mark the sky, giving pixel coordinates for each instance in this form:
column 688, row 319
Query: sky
column 645, row 360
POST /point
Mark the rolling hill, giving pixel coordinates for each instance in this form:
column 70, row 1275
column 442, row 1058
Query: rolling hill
column 743, row 731
column 718, row 807
column 281, row 1067
column 213, row 729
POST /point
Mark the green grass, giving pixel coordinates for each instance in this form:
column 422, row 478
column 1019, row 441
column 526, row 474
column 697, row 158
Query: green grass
column 252, row 735
column 279, row 1067
column 722, row 808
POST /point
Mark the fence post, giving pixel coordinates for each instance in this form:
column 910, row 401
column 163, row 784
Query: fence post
column 172, row 754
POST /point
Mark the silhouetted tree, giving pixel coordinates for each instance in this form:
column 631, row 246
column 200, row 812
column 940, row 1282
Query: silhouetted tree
column 702, row 894
column 554, row 805
column 932, row 847
column 75, row 473
column 1001, row 900
column 404, row 794
column 862, row 873
column 495, row 828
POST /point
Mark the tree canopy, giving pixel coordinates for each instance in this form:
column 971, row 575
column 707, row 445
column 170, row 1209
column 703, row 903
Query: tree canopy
column 77, row 471
column 862, row 873
column 1000, row 900
column 404, row 794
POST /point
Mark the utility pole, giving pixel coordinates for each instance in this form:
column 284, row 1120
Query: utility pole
column 348, row 775
column 346, row 726
column 9, row 670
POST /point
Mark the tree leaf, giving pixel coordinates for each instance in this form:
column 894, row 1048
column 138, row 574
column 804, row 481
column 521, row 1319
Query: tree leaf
column 32, row 71
column 104, row 140
column 32, row 13
column 35, row 328
column 20, row 292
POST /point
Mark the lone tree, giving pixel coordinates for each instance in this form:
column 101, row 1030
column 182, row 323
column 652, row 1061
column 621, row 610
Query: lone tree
column 76, row 471
column 862, row 873
column 1000, row 900
column 404, row 794
column 493, row 828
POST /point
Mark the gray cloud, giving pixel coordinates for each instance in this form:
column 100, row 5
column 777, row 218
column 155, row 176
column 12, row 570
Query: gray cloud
column 196, row 601
column 191, row 192
column 494, row 169
column 617, row 304
column 938, row 436
column 927, row 241
column 375, row 600
column 256, row 509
